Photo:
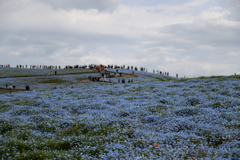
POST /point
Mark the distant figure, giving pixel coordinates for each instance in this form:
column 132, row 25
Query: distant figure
column 10, row 89
column 55, row 72
column 27, row 88
column 6, row 86
column 14, row 86
column 177, row 75
column 123, row 80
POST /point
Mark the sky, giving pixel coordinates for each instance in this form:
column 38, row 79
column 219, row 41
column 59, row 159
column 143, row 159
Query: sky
column 186, row 37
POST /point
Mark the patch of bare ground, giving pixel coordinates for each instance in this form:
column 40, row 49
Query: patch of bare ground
column 3, row 90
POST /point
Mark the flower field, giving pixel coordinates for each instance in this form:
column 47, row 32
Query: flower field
column 155, row 117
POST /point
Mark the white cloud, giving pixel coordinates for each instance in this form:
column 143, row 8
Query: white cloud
column 235, row 54
column 103, row 5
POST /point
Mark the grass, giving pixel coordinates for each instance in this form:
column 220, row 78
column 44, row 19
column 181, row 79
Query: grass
column 3, row 92
column 54, row 80
column 164, row 79
column 17, row 72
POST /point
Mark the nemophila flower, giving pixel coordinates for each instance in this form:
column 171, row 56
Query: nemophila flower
column 117, row 122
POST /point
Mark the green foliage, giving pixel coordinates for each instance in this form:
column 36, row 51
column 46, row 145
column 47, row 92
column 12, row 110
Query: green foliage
column 182, row 80
column 25, row 102
column 54, row 80
column 5, row 107
column 158, row 109
column 3, row 92
column 43, row 127
column 5, row 126
column 187, row 112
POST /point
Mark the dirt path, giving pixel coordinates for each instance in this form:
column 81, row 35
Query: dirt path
column 15, row 90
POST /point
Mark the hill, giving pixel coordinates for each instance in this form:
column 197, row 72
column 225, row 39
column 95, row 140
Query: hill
column 154, row 117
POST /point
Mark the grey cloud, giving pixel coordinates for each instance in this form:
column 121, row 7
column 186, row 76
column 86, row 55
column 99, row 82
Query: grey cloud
column 234, row 7
column 47, row 43
column 219, row 37
column 100, row 5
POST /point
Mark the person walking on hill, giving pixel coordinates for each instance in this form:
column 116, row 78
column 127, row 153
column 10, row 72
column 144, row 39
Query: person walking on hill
column 10, row 88
column 27, row 88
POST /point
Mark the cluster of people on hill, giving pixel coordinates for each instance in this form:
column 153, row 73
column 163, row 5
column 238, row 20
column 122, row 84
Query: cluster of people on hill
column 10, row 87
column 143, row 69
column 95, row 66
column 39, row 66
column 104, row 79
column 45, row 67
column 161, row 72
column 20, row 66
column 75, row 67
column 4, row 65
column 97, row 79
column 98, row 67
column 123, row 81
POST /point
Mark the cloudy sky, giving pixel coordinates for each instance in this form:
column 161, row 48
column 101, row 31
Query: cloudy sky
column 185, row 37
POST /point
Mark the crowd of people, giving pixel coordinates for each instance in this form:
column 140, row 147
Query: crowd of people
column 161, row 72
column 4, row 65
column 105, row 76
column 39, row 66
column 104, row 79
column 99, row 67
column 11, row 88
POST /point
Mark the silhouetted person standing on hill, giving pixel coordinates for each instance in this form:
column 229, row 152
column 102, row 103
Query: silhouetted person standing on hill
column 27, row 88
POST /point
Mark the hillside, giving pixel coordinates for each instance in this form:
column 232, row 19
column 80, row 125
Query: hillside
column 154, row 117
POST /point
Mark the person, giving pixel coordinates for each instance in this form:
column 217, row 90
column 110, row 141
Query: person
column 6, row 86
column 10, row 89
column 27, row 88
column 14, row 86
column 55, row 72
